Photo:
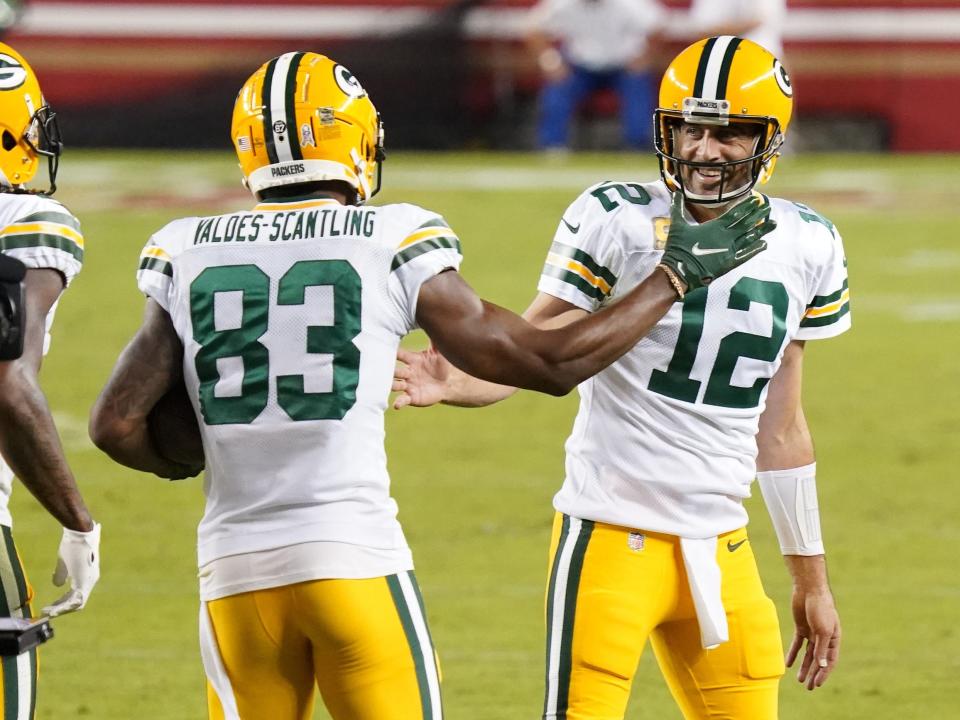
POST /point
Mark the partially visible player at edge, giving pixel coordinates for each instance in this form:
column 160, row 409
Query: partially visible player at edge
column 649, row 538
column 285, row 322
column 42, row 234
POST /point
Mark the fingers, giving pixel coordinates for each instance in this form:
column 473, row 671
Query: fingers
column 748, row 251
column 807, row 666
column 71, row 601
column 406, row 356
column 60, row 573
column 743, row 210
column 819, row 658
column 826, row 653
column 794, row 650
column 401, row 401
column 676, row 206
column 766, row 226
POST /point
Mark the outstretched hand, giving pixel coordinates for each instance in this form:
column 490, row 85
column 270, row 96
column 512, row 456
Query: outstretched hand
column 817, row 626
column 698, row 254
column 420, row 378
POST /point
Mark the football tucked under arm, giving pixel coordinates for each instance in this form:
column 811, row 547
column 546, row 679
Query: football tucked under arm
column 174, row 430
column 143, row 418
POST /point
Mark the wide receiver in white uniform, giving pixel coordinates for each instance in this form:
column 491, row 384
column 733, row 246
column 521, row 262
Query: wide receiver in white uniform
column 42, row 234
column 650, row 538
column 284, row 322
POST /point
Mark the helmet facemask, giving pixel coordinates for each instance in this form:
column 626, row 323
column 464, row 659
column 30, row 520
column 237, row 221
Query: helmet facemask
column 756, row 166
column 44, row 139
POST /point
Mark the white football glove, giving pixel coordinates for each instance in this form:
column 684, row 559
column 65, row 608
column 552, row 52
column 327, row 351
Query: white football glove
column 79, row 560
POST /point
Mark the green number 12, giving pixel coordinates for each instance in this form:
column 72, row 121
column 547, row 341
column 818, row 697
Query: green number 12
column 676, row 382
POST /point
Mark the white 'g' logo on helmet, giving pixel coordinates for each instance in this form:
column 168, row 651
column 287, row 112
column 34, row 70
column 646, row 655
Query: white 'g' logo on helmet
column 347, row 82
column 12, row 73
column 783, row 80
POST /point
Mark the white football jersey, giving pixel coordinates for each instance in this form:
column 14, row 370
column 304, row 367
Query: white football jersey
column 41, row 233
column 290, row 316
column 665, row 437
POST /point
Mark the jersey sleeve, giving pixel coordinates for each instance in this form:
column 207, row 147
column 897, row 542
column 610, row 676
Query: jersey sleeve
column 427, row 249
column 584, row 261
column 155, row 271
column 46, row 235
column 828, row 310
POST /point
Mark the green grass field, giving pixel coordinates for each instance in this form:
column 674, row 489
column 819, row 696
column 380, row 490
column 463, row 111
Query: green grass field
column 474, row 487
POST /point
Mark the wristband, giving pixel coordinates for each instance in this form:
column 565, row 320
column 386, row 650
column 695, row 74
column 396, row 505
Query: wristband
column 791, row 499
column 674, row 280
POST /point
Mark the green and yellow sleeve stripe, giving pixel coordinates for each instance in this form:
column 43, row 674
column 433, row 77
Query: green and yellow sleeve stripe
column 157, row 259
column 432, row 235
column 574, row 266
column 827, row 309
column 48, row 229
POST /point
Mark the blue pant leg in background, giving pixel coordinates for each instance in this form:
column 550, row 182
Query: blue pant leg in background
column 636, row 108
column 558, row 102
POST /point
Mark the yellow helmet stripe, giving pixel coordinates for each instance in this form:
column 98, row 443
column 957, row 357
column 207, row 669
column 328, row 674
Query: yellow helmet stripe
column 279, row 109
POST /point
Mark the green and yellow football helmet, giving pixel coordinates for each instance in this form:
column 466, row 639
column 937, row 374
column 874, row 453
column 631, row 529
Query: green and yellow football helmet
column 302, row 118
column 719, row 81
column 28, row 127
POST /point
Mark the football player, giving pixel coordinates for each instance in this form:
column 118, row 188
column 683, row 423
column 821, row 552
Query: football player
column 649, row 539
column 285, row 322
column 45, row 237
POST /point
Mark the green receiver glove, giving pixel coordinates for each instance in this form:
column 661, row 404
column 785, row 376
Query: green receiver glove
column 698, row 254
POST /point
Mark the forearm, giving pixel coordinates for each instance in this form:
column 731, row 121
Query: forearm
column 128, row 442
column 586, row 346
column 502, row 348
column 789, row 447
column 32, row 448
column 146, row 369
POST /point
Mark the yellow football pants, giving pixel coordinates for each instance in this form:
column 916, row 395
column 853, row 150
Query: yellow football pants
column 611, row 588
column 18, row 681
column 364, row 643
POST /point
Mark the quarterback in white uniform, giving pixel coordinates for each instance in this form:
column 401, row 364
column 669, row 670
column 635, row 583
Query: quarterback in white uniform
column 649, row 540
column 284, row 322
column 45, row 237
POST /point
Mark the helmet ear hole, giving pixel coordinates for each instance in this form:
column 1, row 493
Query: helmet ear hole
column 8, row 141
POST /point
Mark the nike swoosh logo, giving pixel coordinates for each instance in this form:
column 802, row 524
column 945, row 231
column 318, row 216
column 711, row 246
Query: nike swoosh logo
column 697, row 250
column 570, row 227
column 731, row 546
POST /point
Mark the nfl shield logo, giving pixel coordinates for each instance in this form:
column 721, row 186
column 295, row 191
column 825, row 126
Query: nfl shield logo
column 635, row 541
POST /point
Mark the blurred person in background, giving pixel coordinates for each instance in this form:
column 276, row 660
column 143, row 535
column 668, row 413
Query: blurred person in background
column 582, row 46
column 650, row 539
column 759, row 20
column 45, row 237
column 284, row 324
column 10, row 12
